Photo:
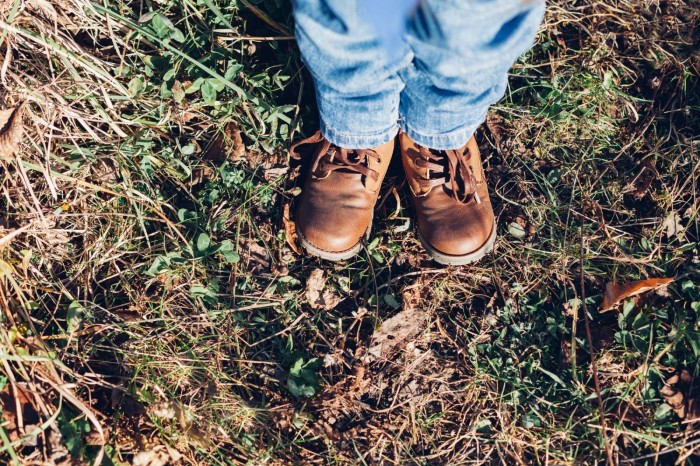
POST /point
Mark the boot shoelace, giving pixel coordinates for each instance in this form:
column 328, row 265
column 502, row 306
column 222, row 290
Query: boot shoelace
column 329, row 157
column 452, row 164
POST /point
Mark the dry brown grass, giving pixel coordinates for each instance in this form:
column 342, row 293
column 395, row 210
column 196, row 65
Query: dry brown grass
column 191, row 361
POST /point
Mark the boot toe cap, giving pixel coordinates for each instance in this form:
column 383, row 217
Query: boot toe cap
column 329, row 233
column 459, row 240
column 329, row 240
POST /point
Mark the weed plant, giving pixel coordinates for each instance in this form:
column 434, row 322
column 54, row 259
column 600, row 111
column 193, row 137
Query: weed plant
column 152, row 308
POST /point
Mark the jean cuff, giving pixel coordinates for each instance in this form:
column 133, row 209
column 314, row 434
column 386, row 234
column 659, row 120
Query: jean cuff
column 355, row 141
column 452, row 140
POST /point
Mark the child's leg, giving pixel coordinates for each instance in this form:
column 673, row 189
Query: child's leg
column 463, row 50
column 357, row 90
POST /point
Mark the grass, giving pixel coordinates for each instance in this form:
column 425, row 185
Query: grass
column 153, row 310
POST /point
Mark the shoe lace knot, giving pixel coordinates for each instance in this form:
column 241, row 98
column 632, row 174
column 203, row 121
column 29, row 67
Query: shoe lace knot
column 449, row 167
column 328, row 157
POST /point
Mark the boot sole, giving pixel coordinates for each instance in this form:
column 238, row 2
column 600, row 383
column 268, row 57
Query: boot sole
column 448, row 259
column 332, row 255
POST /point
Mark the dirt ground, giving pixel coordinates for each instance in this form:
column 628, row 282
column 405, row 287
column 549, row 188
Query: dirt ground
column 156, row 308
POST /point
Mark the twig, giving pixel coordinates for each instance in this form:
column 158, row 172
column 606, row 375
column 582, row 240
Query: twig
column 374, row 277
column 662, row 452
column 594, row 368
column 286, row 329
column 254, row 38
column 5, row 240
column 444, row 270
column 266, row 19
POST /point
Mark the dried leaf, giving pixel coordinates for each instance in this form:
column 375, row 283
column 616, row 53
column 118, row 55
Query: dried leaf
column 160, row 455
column 672, row 224
column 275, row 172
column 44, row 7
column 178, row 91
column 494, row 124
column 290, row 230
column 316, row 295
column 10, row 130
column 13, row 398
column 397, row 330
column 227, row 145
column 190, row 428
column 235, row 134
column 647, row 174
column 188, row 115
column 682, row 393
column 615, row 293
column 163, row 410
column 200, row 174
column 254, row 256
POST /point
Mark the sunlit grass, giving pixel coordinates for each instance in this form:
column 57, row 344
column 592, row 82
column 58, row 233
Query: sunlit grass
column 151, row 296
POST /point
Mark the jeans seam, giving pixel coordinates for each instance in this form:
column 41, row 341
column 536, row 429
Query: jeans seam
column 341, row 138
column 456, row 138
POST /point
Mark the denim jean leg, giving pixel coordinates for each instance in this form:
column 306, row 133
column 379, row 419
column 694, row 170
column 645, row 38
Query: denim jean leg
column 357, row 88
column 463, row 51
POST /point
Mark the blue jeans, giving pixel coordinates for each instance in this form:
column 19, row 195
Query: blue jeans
column 437, row 88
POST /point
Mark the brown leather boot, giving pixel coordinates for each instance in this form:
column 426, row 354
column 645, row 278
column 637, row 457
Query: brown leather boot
column 455, row 220
column 337, row 204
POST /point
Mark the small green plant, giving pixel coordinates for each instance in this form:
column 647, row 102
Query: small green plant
column 303, row 378
column 162, row 258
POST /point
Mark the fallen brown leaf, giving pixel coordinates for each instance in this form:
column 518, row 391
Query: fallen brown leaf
column 647, row 174
column 226, row 145
column 397, row 330
column 318, row 297
column 234, row 134
column 682, row 393
column 200, row 174
column 672, row 224
column 273, row 173
column 188, row 426
column 615, row 293
column 11, row 130
column 255, row 256
column 160, row 455
column 290, row 230
column 18, row 410
column 494, row 124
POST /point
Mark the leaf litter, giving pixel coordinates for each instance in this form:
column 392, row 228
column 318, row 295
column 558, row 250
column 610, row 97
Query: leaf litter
column 318, row 296
column 388, row 365
column 387, row 430
column 11, row 129
column 21, row 421
column 396, row 331
column 682, row 393
column 290, row 230
column 616, row 293
column 160, row 455
column 19, row 412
